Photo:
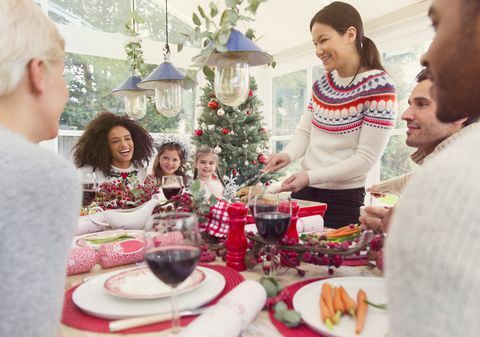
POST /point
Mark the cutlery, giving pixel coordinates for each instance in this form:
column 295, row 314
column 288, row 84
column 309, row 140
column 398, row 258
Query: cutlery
column 253, row 180
column 128, row 323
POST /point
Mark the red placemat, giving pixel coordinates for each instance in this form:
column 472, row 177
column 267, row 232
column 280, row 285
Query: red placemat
column 74, row 317
column 287, row 296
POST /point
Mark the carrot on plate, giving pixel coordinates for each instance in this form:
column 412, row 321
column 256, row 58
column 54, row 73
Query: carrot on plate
column 361, row 311
column 350, row 305
column 338, row 304
column 327, row 297
column 325, row 314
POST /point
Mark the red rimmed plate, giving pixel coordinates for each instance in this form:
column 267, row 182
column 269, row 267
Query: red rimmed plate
column 141, row 283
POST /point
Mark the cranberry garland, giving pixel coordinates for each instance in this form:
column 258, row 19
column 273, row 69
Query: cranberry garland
column 124, row 193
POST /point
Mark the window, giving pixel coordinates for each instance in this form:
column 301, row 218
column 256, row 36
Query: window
column 403, row 66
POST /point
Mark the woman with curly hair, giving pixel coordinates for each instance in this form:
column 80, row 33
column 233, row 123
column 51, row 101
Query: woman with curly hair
column 114, row 147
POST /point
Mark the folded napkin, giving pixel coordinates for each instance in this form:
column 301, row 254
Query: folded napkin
column 313, row 223
column 82, row 260
column 120, row 253
column 231, row 315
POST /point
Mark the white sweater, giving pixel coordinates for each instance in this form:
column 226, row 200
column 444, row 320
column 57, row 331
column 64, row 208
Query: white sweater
column 345, row 129
column 433, row 247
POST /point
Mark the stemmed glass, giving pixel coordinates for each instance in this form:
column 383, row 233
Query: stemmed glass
column 172, row 251
column 272, row 214
column 90, row 187
column 171, row 186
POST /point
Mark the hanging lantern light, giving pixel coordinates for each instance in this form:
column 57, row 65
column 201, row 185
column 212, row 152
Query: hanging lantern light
column 166, row 81
column 232, row 79
column 135, row 99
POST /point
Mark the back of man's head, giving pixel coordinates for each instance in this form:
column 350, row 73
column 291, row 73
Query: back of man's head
column 26, row 33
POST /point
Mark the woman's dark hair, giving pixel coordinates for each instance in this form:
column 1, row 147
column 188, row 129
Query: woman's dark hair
column 341, row 16
column 157, row 171
column 92, row 148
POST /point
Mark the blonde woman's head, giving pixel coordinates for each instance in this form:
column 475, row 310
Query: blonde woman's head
column 26, row 34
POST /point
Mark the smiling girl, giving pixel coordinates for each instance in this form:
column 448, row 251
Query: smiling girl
column 346, row 125
column 206, row 162
column 171, row 159
column 114, row 147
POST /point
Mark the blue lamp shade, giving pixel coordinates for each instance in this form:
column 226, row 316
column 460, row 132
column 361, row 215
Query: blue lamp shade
column 130, row 88
column 164, row 72
column 238, row 43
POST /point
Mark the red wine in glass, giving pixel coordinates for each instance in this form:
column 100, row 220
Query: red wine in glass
column 170, row 192
column 88, row 194
column 173, row 264
column 272, row 226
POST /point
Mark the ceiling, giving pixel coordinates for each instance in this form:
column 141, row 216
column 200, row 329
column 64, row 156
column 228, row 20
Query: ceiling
column 283, row 24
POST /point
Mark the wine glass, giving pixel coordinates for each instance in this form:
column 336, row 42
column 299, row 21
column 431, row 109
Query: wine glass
column 272, row 214
column 90, row 187
column 172, row 251
column 171, row 186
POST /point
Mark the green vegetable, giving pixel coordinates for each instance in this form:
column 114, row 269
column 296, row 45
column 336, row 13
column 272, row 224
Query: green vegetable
column 120, row 237
column 382, row 306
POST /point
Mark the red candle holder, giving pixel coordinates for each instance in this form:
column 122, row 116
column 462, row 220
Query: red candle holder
column 236, row 242
column 292, row 229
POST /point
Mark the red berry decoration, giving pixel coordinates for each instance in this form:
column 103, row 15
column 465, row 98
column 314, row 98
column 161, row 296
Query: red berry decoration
column 213, row 104
column 262, row 130
column 225, row 131
column 198, row 132
column 267, row 183
column 250, row 93
column 248, row 113
column 234, row 172
column 254, row 162
column 261, row 158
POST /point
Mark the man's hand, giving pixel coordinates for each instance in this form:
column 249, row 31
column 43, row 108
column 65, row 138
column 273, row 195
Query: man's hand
column 276, row 161
column 373, row 217
column 295, row 182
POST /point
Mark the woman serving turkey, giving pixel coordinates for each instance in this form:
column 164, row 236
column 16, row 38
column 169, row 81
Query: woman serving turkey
column 346, row 126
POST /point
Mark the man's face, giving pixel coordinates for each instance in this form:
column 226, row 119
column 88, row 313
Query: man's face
column 425, row 131
column 453, row 58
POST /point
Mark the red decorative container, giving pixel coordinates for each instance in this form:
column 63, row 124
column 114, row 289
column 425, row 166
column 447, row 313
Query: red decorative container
column 236, row 242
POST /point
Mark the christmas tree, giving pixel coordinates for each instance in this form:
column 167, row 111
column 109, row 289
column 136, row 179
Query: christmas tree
column 238, row 135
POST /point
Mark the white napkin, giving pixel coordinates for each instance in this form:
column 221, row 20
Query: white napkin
column 231, row 315
column 313, row 223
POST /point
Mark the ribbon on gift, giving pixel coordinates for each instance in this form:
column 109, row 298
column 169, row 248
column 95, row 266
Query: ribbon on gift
column 231, row 315
column 82, row 260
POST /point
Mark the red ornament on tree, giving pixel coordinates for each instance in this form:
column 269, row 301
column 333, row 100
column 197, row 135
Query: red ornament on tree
column 213, row 104
column 267, row 183
column 225, row 131
column 254, row 162
column 234, row 172
column 261, row 158
column 198, row 132
column 248, row 113
column 250, row 93
column 262, row 130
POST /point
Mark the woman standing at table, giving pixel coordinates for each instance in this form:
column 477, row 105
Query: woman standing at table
column 114, row 147
column 40, row 191
column 346, row 126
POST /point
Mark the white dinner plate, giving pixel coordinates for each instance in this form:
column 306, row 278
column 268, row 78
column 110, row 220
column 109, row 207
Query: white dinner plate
column 141, row 283
column 88, row 240
column 306, row 301
column 92, row 298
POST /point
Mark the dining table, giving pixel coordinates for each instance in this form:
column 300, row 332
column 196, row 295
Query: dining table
column 261, row 325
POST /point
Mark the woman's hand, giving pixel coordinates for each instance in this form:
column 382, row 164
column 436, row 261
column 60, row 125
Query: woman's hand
column 373, row 217
column 374, row 190
column 276, row 161
column 295, row 182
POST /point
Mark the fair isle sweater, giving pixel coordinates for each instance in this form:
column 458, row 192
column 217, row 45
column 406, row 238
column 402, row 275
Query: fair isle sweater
column 345, row 129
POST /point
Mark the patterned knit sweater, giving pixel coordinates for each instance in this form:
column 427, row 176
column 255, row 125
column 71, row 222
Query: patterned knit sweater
column 345, row 129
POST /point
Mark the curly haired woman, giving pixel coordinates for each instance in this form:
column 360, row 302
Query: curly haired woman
column 114, row 147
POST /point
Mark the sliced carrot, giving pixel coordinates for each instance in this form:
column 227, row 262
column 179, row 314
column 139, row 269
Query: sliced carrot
column 361, row 311
column 338, row 304
column 325, row 313
column 327, row 297
column 341, row 229
column 344, row 233
column 350, row 305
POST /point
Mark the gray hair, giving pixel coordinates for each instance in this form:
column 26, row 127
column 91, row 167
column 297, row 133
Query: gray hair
column 26, row 33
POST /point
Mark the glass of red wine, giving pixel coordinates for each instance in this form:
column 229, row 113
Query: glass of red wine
column 172, row 251
column 172, row 186
column 90, row 187
column 272, row 214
